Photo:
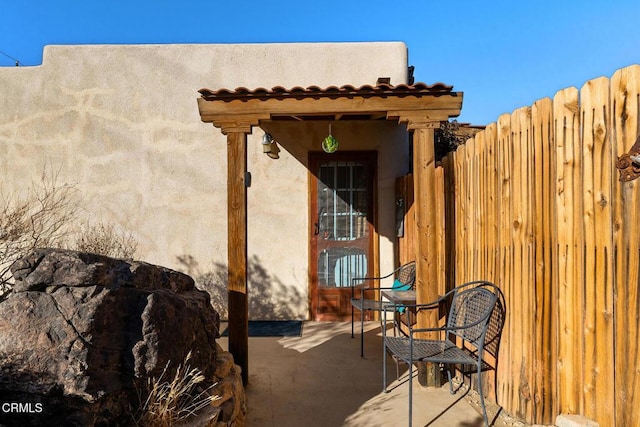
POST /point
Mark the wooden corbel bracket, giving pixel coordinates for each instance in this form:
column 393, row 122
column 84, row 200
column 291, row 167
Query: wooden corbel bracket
column 629, row 164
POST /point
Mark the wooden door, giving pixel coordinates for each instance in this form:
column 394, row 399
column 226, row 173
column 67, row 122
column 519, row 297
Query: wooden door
column 342, row 218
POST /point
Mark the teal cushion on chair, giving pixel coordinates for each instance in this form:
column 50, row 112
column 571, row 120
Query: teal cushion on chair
column 399, row 286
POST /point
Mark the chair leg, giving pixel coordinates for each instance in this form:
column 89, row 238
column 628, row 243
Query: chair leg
column 384, row 362
column 362, row 333
column 410, row 392
column 352, row 319
column 484, row 408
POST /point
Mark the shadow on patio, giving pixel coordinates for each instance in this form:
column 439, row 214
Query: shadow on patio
column 320, row 380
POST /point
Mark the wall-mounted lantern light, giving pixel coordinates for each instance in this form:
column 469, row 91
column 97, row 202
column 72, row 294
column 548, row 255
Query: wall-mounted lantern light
column 269, row 146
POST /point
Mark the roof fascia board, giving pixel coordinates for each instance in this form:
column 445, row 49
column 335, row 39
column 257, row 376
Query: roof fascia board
column 436, row 107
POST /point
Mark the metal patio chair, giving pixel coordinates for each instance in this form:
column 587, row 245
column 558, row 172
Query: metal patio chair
column 405, row 277
column 476, row 313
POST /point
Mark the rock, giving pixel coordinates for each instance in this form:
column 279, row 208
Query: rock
column 54, row 267
column 80, row 330
column 230, row 391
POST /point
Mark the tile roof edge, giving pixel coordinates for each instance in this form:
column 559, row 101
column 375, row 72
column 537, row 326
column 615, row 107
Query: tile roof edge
column 330, row 91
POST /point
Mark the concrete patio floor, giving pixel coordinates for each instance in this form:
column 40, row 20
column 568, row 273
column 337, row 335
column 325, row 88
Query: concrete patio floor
column 319, row 379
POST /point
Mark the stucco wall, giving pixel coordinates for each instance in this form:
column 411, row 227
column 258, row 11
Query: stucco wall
column 121, row 122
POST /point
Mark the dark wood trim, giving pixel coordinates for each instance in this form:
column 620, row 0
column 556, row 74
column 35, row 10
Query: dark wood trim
column 314, row 159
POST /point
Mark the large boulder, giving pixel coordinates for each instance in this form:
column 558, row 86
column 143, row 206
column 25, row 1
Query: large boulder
column 81, row 333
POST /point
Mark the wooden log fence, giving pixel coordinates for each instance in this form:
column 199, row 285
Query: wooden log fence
column 534, row 203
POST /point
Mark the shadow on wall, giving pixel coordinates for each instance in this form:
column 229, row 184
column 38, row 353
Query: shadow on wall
column 269, row 298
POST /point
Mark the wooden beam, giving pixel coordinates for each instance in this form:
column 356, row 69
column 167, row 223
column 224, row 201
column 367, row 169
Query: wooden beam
column 433, row 108
column 420, row 119
column 237, row 250
column 424, row 175
column 238, row 123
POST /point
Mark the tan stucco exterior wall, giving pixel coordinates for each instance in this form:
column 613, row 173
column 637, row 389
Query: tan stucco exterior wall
column 121, row 122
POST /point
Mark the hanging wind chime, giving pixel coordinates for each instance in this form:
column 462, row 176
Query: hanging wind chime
column 330, row 144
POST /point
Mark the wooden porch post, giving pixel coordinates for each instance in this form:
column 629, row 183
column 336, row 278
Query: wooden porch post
column 237, row 248
column 236, row 128
column 427, row 275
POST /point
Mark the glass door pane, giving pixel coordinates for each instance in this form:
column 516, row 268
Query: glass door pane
column 342, row 218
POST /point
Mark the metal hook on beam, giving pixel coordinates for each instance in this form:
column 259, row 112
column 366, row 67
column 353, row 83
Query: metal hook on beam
column 629, row 164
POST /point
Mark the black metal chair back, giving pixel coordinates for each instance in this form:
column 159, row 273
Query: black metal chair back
column 469, row 314
column 407, row 275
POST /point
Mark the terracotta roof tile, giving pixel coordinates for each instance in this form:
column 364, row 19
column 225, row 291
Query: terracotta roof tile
column 279, row 92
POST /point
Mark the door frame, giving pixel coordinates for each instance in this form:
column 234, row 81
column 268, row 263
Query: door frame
column 314, row 159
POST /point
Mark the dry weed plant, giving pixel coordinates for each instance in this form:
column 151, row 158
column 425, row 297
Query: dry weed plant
column 41, row 218
column 448, row 138
column 170, row 401
column 105, row 239
column 47, row 216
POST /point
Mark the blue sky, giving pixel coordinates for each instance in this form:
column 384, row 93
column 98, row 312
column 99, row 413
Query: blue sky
column 501, row 54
